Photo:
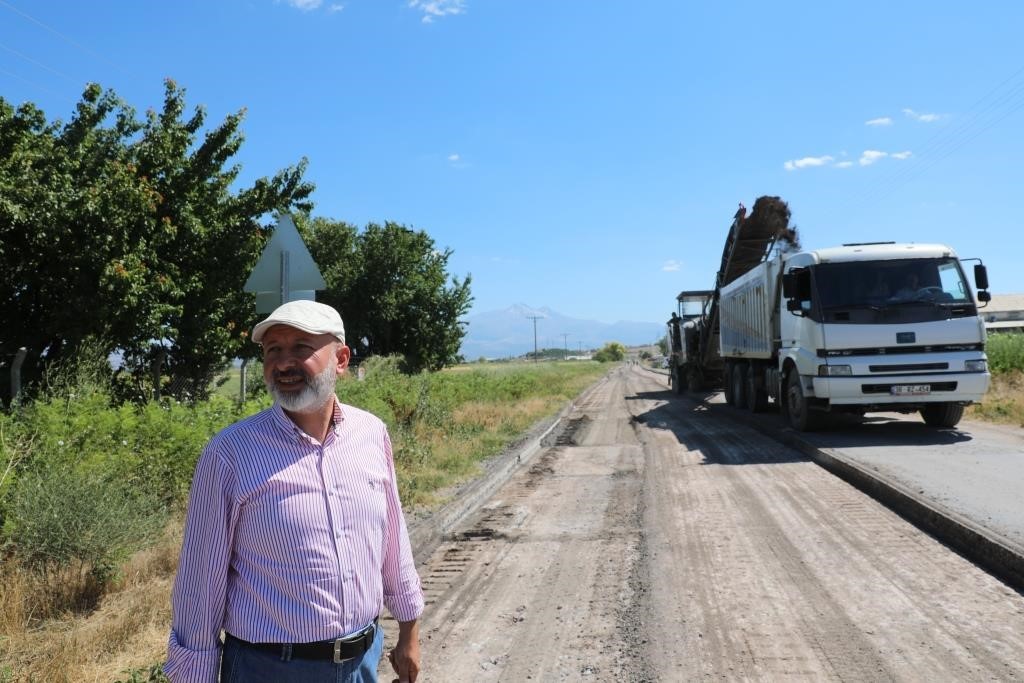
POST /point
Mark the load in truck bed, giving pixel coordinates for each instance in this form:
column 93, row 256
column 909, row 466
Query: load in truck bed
column 751, row 237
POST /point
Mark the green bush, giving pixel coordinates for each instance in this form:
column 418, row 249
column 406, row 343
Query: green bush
column 1005, row 352
column 80, row 521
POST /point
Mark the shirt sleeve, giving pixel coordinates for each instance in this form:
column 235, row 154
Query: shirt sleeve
column 403, row 595
column 198, row 596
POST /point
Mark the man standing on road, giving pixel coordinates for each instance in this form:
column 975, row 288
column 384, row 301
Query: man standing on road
column 295, row 537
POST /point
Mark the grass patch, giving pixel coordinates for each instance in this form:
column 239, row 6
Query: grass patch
column 1004, row 402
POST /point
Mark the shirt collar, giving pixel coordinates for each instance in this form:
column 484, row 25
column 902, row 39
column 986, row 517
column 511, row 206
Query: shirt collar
column 282, row 421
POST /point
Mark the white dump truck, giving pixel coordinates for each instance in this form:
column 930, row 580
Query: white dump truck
column 855, row 328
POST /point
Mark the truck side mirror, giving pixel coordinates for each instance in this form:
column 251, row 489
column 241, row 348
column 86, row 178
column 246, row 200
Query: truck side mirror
column 793, row 305
column 984, row 296
column 980, row 277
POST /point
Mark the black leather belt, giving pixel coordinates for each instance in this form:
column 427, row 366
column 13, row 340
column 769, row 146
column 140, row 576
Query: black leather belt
column 337, row 650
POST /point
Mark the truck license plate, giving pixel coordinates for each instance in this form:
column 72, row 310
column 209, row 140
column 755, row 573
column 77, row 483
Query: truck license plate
column 911, row 389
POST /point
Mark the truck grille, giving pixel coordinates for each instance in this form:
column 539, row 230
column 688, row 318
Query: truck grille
column 909, row 367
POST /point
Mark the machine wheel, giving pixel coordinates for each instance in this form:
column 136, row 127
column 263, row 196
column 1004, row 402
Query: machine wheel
column 739, row 385
column 694, row 380
column 730, row 398
column 757, row 396
column 942, row 415
column 674, row 381
column 801, row 417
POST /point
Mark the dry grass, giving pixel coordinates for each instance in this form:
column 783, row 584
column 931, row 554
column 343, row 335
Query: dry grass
column 128, row 630
column 1004, row 402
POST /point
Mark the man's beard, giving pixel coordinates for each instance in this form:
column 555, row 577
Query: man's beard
column 317, row 391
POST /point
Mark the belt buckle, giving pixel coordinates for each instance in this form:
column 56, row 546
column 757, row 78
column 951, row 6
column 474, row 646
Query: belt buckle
column 337, row 652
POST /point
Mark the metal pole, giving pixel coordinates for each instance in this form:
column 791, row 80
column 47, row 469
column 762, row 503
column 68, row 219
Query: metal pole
column 285, row 286
column 19, row 358
column 565, row 345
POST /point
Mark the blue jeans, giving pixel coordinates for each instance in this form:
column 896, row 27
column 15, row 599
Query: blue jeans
column 240, row 664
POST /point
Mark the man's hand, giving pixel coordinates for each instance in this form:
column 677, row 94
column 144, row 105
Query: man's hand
column 405, row 658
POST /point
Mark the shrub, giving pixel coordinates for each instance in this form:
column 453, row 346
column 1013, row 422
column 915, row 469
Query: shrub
column 1005, row 352
column 74, row 525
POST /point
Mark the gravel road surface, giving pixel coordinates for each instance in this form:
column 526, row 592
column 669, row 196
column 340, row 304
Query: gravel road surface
column 652, row 539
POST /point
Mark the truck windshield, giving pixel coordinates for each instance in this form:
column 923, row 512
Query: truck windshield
column 882, row 284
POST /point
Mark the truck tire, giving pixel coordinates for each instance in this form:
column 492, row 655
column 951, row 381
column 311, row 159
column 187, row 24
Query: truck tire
column 801, row 417
column 673, row 380
column 757, row 396
column 942, row 415
column 730, row 399
column 739, row 385
column 694, row 380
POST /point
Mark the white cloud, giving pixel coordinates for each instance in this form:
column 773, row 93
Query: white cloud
column 880, row 121
column 923, row 118
column 807, row 162
column 453, row 157
column 305, row 5
column 437, row 8
column 335, row 8
column 870, row 156
column 844, row 164
column 902, row 155
column 671, row 266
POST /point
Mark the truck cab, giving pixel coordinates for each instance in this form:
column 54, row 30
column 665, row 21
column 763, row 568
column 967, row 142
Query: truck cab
column 880, row 327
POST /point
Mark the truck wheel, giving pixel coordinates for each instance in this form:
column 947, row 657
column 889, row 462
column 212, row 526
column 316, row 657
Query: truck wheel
column 757, row 397
column 694, row 380
column 730, row 398
column 739, row 385
column 942, row 415
column 675, row 382
column 801, row 417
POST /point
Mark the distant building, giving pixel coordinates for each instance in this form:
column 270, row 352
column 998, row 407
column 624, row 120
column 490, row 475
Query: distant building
column 1005, row 313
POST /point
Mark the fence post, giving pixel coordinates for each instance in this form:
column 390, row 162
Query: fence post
column 241, row 382
column 158, row 366
column 19, row 358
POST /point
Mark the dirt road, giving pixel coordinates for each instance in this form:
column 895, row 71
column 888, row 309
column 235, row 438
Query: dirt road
column 655, row 541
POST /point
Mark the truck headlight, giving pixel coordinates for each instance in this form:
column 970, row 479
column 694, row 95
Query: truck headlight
column 834, row 371
column 975, row 365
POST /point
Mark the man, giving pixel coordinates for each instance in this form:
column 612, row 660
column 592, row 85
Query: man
column 295, row 536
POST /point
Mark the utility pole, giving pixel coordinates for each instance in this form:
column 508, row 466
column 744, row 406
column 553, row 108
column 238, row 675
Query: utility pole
column 534, row 318
column 565, row 345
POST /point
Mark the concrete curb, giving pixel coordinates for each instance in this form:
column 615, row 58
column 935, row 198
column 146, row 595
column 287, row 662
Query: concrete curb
column 428, row 532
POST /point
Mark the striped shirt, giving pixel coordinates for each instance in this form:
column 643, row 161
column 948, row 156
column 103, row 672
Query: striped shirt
column 288, row 540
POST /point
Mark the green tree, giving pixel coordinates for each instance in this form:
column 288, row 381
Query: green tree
column 391, row 285
column 610, row 352
column 129, row 231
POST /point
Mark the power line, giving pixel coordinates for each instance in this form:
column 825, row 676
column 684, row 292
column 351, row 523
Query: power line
column 1002, row 101
column 63, row 37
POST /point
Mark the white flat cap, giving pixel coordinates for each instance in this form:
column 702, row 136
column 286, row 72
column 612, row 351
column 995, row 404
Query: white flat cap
column 305, row 315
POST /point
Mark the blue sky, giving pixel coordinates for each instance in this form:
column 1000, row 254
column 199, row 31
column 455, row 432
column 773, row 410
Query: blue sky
column 586, row 156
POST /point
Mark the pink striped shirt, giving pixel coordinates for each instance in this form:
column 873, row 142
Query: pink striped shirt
column 288, row 540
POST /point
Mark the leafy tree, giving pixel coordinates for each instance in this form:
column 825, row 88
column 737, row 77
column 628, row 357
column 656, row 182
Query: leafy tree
column 391, row 285
column 129, row 231
column 610, row 352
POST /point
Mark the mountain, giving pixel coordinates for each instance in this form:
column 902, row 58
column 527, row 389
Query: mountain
column 509, row 332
